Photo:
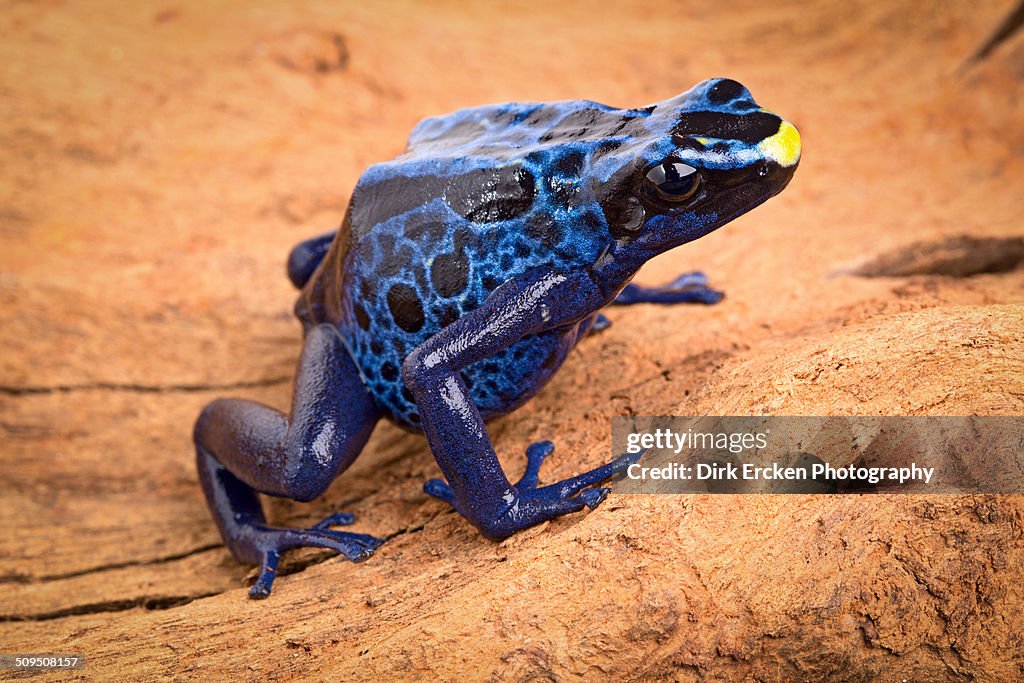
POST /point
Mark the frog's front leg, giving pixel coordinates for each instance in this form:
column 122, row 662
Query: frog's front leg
column 687, row 288
column 243, row 448
column 477, row 486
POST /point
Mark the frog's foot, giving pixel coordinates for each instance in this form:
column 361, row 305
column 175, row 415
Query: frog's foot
column 531, row 504
column 687, row 288
column 261, row 544
column 600, row 323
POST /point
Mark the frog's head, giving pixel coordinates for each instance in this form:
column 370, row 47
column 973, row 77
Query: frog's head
column 710, row 155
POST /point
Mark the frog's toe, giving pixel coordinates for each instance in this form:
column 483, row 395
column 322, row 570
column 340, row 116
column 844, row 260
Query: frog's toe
column 336, row 519
column 601, row 322
column 265, row 580
column 580, row 484
column 270, row 542
column 691, row 288
column 594, row 497
column 686, row 280
column 534, row 505
column 439, row 489
column 571, row 486
column 701, row 295
column 535, row 455
column 688, row 288
column 355, row 547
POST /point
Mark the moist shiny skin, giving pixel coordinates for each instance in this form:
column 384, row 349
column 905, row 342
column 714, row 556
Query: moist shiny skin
column 464, row 272
column 484, row 195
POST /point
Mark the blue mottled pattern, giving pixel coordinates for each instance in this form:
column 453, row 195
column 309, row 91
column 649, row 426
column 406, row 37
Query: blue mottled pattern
column 402, row 223
column 462, row 276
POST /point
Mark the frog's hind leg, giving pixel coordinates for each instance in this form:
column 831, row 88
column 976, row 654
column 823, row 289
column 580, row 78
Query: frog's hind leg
column 688, row 288
column 244, row 448
column 306, row 256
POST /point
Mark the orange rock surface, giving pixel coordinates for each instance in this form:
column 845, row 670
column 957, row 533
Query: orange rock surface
column 159, row 160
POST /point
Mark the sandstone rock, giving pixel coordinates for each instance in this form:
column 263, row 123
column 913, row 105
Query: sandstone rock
column 157, row 166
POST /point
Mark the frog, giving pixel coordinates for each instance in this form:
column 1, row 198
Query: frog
column 463, row 273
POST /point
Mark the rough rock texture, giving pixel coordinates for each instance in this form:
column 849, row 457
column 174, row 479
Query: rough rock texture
column 159, row 160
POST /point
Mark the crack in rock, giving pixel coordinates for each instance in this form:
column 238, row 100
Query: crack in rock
column 21, row 578
column 148, row 602
column 140, row 388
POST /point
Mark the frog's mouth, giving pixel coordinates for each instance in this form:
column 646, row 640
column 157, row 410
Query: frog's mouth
column 755, row 186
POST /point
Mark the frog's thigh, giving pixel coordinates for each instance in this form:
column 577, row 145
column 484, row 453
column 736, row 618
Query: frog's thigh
column 295, row 456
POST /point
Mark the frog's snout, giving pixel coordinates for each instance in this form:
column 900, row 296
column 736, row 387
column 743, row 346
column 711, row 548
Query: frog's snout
column 784, row 147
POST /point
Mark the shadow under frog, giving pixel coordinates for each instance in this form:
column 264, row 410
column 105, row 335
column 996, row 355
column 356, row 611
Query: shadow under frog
column 464, row 272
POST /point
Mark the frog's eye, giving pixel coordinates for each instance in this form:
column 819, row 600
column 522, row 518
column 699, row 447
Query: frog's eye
column 674, row 181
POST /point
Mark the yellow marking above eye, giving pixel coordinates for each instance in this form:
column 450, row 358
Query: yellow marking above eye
column 703, row 141
column 783, row 147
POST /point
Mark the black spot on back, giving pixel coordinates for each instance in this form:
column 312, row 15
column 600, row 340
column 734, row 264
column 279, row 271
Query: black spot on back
column 406, row 307
column 482, row 195
column 607, row 147
column 724, row 91
column 447, row 316
column 449, row 274
column 542, row 226
column 490, row 283
column 570, row 164
column 367, row 290
column 464, row 238
column 389, row 372
column 747, row 128
column 592, row 221
column 566, row 254
column 487, row 195
column 361, row 317
column 562, row 193
column 393, row 261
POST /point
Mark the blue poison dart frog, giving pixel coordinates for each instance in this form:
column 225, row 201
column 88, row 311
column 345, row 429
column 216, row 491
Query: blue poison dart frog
column 464, row 272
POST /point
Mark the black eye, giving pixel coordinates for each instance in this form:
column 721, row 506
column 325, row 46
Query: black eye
column 674, row 181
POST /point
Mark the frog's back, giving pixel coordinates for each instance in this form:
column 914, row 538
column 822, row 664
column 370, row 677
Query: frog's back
column 479, row 197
